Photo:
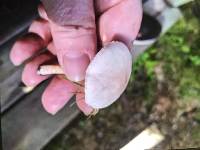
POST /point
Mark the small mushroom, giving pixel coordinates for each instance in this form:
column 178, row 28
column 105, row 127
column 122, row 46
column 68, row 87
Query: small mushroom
column 107, row 75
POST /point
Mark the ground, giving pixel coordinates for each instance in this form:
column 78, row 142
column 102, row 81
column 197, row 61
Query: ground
column 164, row 89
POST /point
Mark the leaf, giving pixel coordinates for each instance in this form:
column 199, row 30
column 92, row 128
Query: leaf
column 150, row 65
column 185, row 49
column 195, row 60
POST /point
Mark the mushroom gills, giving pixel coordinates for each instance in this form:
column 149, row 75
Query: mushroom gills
column 107, row 75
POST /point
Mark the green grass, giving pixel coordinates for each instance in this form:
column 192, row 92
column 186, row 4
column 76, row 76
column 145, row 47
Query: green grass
column 179, row 53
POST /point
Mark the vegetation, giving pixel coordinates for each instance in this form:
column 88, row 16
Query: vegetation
column 179, row 53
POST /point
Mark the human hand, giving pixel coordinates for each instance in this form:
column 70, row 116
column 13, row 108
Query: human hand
column 69, row 33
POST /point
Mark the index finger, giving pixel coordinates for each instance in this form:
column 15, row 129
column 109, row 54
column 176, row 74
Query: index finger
column 120, row 20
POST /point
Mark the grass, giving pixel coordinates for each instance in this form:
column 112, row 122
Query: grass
column 179, row 53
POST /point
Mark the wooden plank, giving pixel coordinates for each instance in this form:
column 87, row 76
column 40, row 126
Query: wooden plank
column 6, row 66
column 28, row 126
column 151, row 135
column 11, row 90
column 10, row 74
column 20, row 14
column 10, row 78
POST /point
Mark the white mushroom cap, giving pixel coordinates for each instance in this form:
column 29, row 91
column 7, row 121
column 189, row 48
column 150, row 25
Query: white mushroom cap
column 107, row 75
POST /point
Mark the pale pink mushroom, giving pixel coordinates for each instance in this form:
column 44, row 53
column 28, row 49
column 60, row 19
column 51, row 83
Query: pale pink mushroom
column 107, row 75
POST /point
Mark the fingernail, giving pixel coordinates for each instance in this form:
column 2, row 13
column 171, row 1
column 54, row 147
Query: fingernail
column 52, row 108
column 88, row 111
column 42, row 12
column 74, row 66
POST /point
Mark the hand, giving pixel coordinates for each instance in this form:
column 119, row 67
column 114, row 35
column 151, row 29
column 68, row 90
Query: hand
column 73, row 41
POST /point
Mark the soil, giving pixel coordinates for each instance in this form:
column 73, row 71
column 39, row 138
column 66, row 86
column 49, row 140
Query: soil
column 115, row 126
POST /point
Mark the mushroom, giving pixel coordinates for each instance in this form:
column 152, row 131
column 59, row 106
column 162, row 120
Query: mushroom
column 106, row 76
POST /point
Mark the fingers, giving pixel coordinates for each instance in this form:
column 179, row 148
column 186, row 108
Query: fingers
column 57, row 94
column 30, row 44
column 29, row 74
column 25, row 48
column 51, row 48
column 42, row 12
column 41, row 27
column 80, row 101
column 75, row 42
column 120, row 22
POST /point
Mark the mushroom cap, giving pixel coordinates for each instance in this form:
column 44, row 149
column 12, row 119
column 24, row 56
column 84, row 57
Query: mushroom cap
column 107, row 75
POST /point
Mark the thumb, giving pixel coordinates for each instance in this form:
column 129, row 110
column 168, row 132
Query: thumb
column 75, row 47
column 73, row 31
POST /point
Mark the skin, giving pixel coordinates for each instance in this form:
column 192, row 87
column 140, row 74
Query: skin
column 73, row 41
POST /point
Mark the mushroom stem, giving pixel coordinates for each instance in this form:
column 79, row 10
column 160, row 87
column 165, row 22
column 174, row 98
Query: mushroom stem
column 50, row 70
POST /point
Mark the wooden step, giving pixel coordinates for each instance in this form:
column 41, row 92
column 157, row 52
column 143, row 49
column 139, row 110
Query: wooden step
column 27, row 126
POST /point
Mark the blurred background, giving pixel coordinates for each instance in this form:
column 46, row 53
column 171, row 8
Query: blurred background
column 164, row 89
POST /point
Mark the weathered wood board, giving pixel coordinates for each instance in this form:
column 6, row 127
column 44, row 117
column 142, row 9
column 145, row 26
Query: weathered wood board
column 28, row 127
column 15, row 16
column 10, row 78
column 13, row 24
